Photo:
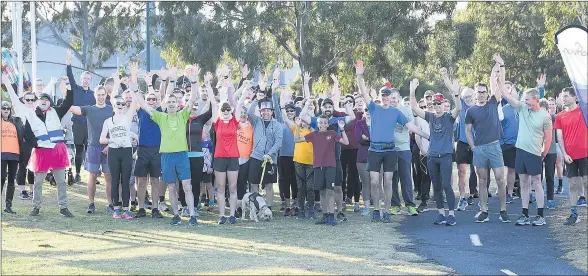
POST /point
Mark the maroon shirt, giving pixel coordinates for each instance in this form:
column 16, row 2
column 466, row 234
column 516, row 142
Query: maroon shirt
column 362, row 153
column 350, row 131
column 323, row 146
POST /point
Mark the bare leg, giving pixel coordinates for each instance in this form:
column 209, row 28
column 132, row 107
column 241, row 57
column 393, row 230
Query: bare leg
column 187, row 185
column 210, row 189
column 162, row 189
column 324, row 201
column 338, row 197
column 155, row 190
column 510, row 180
column 574, row 183
column 483, row 192
column 536, row 182
column 141, row 191
column 92, row 188
column 330, row 194
column 461, row 181
column 269, row 194
column 220, row 179
column 525, row 190
column 375, row 182
column 173, row 199
column 255, row 188
column 501, row 183
column 232, row 177
column 387, row 191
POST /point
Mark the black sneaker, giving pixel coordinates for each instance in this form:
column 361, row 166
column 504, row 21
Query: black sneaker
column 483, row 217
column 91, row 208
column 422, row 208
column 376, row 216
column 341, row 216
column 504, row 217
column 193, row 221
column 155, row 213
column 78, row 178
column 476, row 195
column 66, row 213
column 323, row 220
column 34, row 212
column 141, row 213
column 176, row 220
column 8, row 209
column 470, row 200
column 24, row 195
column 287, row 212
column 133, row 207
column 559, row 190
column 440, row 220
column 239, row 212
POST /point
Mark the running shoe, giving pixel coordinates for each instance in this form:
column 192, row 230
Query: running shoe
column 176, row 220
column 34, row 212
column 515, row 196
column 110, row 209
column 356, row 207
column 117, row 214
column 78, row 178
column 470, row 200
column 504, row 217
column 312, row 214
column 582, row 202
column 450, row 221
column 341, row 216
column 417, row 197
column 133, row 207
column 163, row 207
column 66, row 213
column 376, row 216
column 317, row 208
column 508, row 199
column 539, row 221
column 147, row 204
column 192, row 221
column 141, row 213
column 232, row 220
column 185, row 212
column 331, row 220
column 572, row 219
column 386, row 218
column 422, row 208
column 300, row 215
column 476, row 195
column 222, row 220
column 127, row 215
column 91, row 208
column 365, row 212
column 550, row 204
column 286, row 212
column 155, row 213
column 344, row 205
column 323, row 220
column 559, row 190
column 9, row 210
column 463, row 204
column 440, row 220
column 24, row 195
column 482, row 217
column 523, row 220
column 395, row 210
column 412, row 211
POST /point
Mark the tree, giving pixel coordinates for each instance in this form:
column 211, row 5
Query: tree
column 94, row 31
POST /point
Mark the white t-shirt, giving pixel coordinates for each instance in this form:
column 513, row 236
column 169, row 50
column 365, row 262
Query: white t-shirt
column 424, row 126
column 119, row 133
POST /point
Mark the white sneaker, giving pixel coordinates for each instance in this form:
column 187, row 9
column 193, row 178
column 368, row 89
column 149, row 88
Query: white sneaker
column 163, row 206
column 185, row 212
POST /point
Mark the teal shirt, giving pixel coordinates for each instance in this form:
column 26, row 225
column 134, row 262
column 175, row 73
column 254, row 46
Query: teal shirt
column 532, row 126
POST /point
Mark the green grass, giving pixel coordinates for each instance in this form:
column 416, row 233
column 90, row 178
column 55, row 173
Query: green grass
column 98, row 244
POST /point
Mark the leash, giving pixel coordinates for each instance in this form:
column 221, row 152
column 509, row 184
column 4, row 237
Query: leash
column 263, row 165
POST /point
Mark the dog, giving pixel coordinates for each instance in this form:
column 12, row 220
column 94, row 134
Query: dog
column 258, row 208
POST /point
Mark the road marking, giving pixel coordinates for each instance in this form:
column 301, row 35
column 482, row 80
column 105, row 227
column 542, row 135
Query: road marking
column 475, row 240
column 508, row 272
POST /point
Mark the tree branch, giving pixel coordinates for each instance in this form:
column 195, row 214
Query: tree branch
column 68, row 18
column 337, row 57
column 101, row 20
column 60, row 40
column 283, row 44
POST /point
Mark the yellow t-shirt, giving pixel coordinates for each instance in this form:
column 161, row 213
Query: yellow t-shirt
column 303, row 150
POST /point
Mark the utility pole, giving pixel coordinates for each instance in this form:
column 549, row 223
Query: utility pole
column 147, row 37
column 33, row 44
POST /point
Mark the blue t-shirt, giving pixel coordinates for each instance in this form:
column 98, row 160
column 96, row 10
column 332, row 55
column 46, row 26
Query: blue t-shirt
column 149, row 132
column 333, row 125
column 441, row 133
column 384, row 121
column 461, row 132
column 485, row 121
column 510, row 125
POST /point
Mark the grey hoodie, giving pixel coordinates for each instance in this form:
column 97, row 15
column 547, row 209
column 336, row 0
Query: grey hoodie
column 266, row 140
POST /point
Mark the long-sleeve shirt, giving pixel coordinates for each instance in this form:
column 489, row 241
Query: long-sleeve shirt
column 81, row 97
column 61, row 110
column 267, row 136
column 288, row 144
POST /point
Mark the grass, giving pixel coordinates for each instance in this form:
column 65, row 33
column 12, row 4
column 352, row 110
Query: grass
column 98, row 244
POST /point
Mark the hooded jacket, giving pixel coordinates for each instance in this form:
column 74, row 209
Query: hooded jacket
column 266, row 139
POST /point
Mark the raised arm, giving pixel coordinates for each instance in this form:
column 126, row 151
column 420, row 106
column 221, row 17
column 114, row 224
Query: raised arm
column 70, row 76
column 132, row 111
column 336, row 95
column 306, row 88
column 143, row 103
column 541, row 80
column 359, row 69
column 19, row 107
column 499, row 71
column 452, row 85
column 349, row 110
column 457, row 109
column 304, row 116
column 67, row 103
column 344, row 140
column 413, row 102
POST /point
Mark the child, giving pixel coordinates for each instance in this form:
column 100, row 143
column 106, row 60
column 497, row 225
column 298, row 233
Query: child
column 324, row 163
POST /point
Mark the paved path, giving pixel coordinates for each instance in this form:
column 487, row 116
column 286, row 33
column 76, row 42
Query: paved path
column 502, row 249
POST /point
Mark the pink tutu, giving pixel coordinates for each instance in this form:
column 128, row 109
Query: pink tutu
column 44, row 159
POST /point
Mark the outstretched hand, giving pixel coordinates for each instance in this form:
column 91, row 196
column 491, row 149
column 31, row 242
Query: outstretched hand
column 542, row 80
column 359, row 69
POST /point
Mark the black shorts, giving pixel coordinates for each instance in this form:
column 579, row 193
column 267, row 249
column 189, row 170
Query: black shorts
column 269, row 177
column 148, row 162
column 527, row 163
column 578, row 168
column 463, row 153
column 80, row 133
column 376, row 159
column 509, row 153
column 324, row 178
column 225, row 164
column 206, row 178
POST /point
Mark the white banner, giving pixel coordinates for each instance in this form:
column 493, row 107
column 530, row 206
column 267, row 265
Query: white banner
column 572, row 43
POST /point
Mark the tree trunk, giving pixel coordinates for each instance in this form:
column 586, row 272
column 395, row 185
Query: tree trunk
column 85, row 36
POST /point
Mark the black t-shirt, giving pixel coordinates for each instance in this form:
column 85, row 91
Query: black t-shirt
column 194, row 130
column 485, row 122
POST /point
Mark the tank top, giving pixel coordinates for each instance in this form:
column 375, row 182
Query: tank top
column 119, row 133
column 9, row 138
column 245, row 140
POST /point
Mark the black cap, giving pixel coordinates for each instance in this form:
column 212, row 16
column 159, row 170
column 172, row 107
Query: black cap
column 290, row 106
column 327, row 101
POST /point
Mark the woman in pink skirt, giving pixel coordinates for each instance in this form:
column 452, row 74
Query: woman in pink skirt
column 50, row 153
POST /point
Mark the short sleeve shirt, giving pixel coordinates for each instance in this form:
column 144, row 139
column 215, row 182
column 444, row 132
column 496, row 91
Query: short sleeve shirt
column 173, row 130
column 485, row 122
column 573, row 131
column 382, row 120
column 532, row 126
column 441, row 133
column 95, row 117
column 323, row 146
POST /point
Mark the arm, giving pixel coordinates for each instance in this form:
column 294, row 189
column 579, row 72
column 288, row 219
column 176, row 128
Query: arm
column 67, row 103
column 359, row 136
column 359, row 69
column 76, row 110
column 281, row 113
column 70, row 76
column 16, row 103
column 416, row 130
column 350, row 114
column 498, row 79
column 279, row 134
column 413, row 102
column 132, row 111
column 50, row 88
column 510, row 99
column 304, row 116
column 306, row 88
column 143, row 105
column 336, row 97
column 548, row 134
column 344, row 140
column 541, row 80
column 103, row 139
column 457, row 109
column 470, row 136
column 297, row 138
column 562, row 146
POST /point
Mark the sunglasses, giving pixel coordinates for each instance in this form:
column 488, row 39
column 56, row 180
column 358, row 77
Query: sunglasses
column 29, row 100
column 290, row 110
column 226, row 110
column 120, row 104
column 437, row 103
column 423, row 107
column 482, row 92
column 6, row 108
column 151, row 99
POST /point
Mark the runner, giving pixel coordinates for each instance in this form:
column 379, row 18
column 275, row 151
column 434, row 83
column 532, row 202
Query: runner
column 175, row 163
column 485, row 120
column 510, row 128
column 362, row 134
column 11, row 145
column 50, row 153
column 440, row 165
column 245, row 145
column 286, row 167
column 350, row 185
column 550, row 159
column 558, row 160
column 571, row 128
column 324, row 164
column 382, row 149
column 120, row 154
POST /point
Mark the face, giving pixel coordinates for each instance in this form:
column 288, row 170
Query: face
column 531, row 102
column 43, row 103
column 172, row 105
column 109, row 86
column 359, row 103
column 29, row 100
column 438, row 106
column 226, row 113
column 39, row 86
column 407, row 104
column 5, row 112
column 266, row 114
column 186, row 97
column 482, row 94
column 128, row 99
column 86, row 80
column 291, row 113
column 446, row 107
column 179, row 95
column 151, row 100
column 323, row 124
column 394, row 99
column 204, row 94
column 243, row 117
column 567, row 99
column 429, row 101
column 469, row 98
column 551, row 106
column 386, row 99
column 327, row 109
column 100, row 95
column 120, row 105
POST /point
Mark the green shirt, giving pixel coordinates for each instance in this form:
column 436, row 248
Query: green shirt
column 532, row 126
column 173, row 130
column 401, row 135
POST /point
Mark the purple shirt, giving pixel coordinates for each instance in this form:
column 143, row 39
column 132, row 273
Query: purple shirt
column 362, row 153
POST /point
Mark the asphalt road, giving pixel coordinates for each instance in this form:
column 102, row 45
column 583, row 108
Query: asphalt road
column 491, row 248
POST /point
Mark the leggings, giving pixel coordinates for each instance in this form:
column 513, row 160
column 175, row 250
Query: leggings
column 79, row 158
column 287, row 181
column 421, row 178
column 549, row 165
column 9, row 172
column 23, row 174
column 305, row 182
column 351, row 182
column 120, row 162
column 196, row 165
column 242, row 183
column 440, row 168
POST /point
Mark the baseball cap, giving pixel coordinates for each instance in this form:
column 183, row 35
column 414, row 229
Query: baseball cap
column 327, row 101
column 6, row 104
column 385, row 91
column 289, row 106
column 438, row 97
column 265, row 104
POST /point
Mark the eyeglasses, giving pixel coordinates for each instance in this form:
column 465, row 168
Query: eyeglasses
column 290, row 110
column 151, row 99
column 29, row 100
column 437, row 103
column 422, row 107
column 482, row 92
column 226, row 110
column 6, row 108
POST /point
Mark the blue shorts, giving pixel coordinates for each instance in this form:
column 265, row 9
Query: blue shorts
column 95, row 159
column 528, row 163
column 175, row 166
column 488, row 156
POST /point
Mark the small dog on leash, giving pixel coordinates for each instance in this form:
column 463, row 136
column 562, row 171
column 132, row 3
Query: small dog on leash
column 258, row 208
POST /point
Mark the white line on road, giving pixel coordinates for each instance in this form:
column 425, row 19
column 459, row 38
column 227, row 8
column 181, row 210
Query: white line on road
column 508, row 272
column 475, row 240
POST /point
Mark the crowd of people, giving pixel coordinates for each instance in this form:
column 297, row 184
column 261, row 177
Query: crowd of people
column 325, row 151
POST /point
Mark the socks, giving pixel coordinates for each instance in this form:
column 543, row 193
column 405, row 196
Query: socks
column 560, row 182
column 162, row 199
column 540, row 212
column 526, row 212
